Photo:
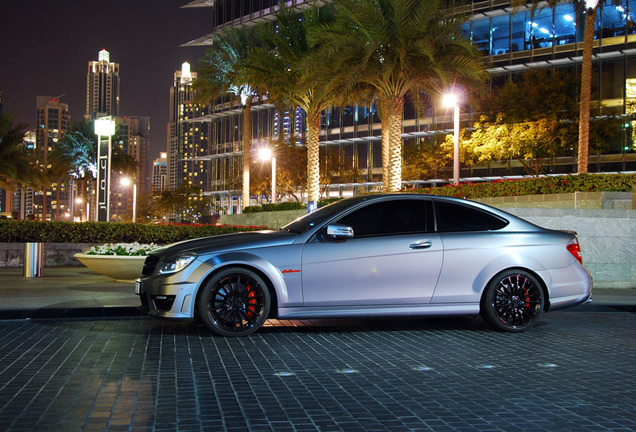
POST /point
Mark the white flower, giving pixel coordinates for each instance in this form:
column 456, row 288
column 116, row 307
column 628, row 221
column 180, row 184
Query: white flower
column 123, row 249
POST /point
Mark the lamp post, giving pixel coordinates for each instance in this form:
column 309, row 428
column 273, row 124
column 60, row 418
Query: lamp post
column 265, row 154
column 104, row 129
column 452, row 101
column 78, row 208
column 125, row 181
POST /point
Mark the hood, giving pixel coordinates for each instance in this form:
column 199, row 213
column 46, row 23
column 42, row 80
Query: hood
column 225, row 242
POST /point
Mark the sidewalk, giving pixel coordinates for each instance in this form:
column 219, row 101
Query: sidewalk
column 64, row 292
column 72, row 292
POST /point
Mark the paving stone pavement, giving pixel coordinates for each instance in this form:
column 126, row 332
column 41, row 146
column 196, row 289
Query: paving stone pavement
column 575, row 371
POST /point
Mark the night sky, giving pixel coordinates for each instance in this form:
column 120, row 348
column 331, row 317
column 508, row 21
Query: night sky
column 45, row 47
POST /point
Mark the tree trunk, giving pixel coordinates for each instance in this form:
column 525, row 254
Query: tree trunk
column 247, row 150
column 313, row 156
column 386, row 146
column 57, row 200
column 395, row 108
column 44, row 204
column 586, row 90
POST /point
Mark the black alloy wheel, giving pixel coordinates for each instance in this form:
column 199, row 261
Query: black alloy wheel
column 513, row 301
column 235, row 302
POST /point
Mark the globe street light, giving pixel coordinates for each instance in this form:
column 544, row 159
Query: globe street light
column 265, row 154
column 451, row 100
column 125, row 181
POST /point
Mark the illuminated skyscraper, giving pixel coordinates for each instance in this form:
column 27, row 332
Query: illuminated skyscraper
column 160, row 173
column 102, row 87
column 187, row 140
column 53, row 121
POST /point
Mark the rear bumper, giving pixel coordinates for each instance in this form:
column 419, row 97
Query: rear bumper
column 568, row 287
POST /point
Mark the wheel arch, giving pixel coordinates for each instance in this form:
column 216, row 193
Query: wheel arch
column 542, row 285
column 273, row 292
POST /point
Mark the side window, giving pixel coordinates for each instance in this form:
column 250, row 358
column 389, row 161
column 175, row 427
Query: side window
column 458, row 217
column 389, row 217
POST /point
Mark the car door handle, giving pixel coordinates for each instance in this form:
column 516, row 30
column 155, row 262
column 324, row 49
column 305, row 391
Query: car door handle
column 421, row 244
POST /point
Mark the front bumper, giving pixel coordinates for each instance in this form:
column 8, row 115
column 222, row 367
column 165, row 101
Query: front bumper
column 173, row 295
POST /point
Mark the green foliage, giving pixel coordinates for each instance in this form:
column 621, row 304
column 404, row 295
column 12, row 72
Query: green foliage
column 253, row 209
column 536, row 186
column 18, row 167
column 327, row 201
column 287, row 205
column 12, row 231
column 530, row 142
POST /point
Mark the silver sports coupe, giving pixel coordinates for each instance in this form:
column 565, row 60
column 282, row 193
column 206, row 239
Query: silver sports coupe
column 371, row 255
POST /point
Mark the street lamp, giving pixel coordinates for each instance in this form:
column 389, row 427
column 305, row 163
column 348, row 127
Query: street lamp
column 125, row 181
column 451, row 100
column 265, row 154
column 104, row 129
column 78, row 208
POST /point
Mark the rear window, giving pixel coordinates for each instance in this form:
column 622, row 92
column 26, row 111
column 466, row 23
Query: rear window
column 451, row 217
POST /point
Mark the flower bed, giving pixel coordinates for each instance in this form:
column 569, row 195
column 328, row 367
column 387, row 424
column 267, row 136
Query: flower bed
column 121, row 261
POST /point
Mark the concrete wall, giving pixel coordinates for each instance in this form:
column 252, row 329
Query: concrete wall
column 55, row 254
column 607, row 237
column 275, row 219
column 577, row 200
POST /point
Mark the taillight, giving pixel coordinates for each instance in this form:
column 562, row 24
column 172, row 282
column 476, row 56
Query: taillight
column 575, row 249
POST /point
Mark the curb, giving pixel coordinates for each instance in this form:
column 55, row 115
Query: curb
column 48, row 313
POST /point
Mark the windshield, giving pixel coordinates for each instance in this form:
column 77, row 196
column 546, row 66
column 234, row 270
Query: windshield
column 321, row 215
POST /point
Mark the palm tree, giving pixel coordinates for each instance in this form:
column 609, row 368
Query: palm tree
column 396, row 48
column 224, row 71
column 279, row 69
column 586, row 87
column 17, row 167
column 590, row 7
column 76, row 152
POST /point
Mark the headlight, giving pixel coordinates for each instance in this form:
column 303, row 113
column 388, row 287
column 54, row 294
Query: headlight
column 177, row 263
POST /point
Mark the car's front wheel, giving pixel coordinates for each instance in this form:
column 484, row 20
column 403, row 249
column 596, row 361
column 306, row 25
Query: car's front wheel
column 513, row 301
column 234, row 302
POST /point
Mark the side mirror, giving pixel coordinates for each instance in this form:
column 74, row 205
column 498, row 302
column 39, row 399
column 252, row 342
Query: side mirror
column 339, row 231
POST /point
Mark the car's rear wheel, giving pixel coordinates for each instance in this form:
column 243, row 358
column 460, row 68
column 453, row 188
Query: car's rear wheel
column 234, row 302
column 513, row 301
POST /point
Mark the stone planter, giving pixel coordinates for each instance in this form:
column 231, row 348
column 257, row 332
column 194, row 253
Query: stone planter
column 120, row 267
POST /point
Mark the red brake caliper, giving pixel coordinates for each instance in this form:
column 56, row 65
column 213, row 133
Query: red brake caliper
column 251, row 302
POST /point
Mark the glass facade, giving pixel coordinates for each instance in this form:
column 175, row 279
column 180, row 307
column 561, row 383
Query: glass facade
column 513, row 39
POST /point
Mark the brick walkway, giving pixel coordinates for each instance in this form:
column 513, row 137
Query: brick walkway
column 575, row 371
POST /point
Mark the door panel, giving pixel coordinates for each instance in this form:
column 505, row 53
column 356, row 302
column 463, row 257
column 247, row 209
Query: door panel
column 391, row 269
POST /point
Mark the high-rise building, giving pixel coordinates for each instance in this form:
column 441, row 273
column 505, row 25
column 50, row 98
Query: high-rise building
column 133, row 137
column 53, row 121
column 513, row 38
column 102, row 87
column 160, row 173
column 187, row 140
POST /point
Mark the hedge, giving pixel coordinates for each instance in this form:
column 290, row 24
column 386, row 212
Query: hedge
column 12, row 231
column 537, row 186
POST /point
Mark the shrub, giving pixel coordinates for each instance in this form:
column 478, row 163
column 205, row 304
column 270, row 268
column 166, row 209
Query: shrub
column 327, row 201
column 253, row 209
column 286, row 205
column 108, row 232
column 537, row 186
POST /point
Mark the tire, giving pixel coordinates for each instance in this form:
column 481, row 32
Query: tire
column 235, row 302
column 513, row 301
